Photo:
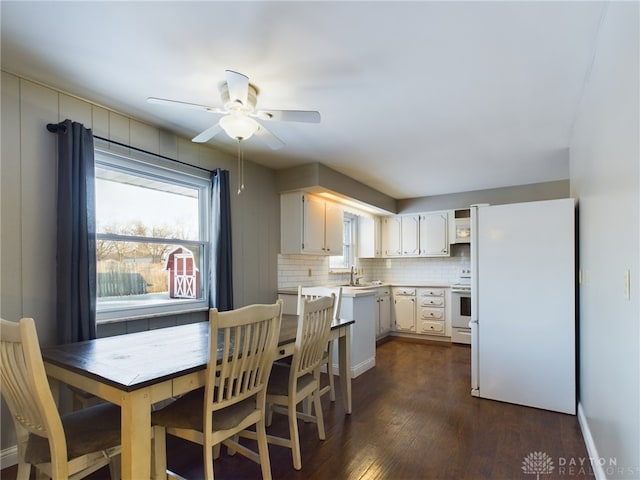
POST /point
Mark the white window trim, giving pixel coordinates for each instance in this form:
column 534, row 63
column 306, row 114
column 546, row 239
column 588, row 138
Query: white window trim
column 352, row 254
column 183, row 174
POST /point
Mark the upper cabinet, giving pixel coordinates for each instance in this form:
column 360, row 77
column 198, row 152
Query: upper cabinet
column 369, row 237
column 434, row 232
column 310, row 224
column 400, row 236
column 410, row 235
column 392, row 236
column 416, row 235
column 333, row 228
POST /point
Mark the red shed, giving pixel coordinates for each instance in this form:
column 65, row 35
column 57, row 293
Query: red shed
column 184, row 276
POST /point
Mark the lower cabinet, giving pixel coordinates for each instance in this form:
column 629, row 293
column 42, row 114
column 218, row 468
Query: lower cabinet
column 431, row 317
column 404, row 309
column 421, row 311
column 383, row 320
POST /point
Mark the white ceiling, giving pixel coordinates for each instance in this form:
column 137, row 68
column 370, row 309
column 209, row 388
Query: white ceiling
column 417, row 98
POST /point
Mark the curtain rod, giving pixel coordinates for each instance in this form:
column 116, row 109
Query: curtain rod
column 57, row 127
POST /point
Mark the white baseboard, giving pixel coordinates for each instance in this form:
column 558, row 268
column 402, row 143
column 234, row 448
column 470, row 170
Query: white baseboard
column 362, row 367
column 9, row 457
column 598, row 471
column 356, row 370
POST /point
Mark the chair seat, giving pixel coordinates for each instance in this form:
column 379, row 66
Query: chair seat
column 90, row 430
column 279, row 380
column 186, row 413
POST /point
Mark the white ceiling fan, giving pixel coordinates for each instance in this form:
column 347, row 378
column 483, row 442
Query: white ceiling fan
column 240, row 117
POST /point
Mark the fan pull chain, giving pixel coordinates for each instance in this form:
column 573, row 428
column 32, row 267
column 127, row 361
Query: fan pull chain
column 240, row 168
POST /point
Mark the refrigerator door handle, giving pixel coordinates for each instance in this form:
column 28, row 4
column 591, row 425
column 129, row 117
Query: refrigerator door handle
column 475, row 388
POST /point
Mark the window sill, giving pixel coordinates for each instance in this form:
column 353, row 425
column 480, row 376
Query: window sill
column 148, row 315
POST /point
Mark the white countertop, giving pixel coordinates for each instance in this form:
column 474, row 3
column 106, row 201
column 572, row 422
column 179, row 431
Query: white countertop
column 368, row 289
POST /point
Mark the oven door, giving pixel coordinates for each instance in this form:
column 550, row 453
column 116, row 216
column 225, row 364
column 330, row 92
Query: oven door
column 460, row 308
column 460, row 316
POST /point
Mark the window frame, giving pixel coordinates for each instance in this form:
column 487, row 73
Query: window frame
column 166, row 171
column 350, row 258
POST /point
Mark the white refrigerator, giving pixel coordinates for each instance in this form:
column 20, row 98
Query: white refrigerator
column 523, row 318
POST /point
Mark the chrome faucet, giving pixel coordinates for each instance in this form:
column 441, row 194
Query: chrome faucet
column 353, row 279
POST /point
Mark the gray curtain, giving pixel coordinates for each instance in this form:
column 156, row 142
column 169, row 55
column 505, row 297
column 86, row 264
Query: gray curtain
column 76, row 247
column 221, row 294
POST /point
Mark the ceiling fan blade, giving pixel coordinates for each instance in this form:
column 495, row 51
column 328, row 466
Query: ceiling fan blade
column 269, row 138
column 307, row 116
column 208, row 134
column 238, row 85
column 176, row 103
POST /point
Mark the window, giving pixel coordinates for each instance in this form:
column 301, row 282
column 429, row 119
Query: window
column 344, row 261
column 152, row 237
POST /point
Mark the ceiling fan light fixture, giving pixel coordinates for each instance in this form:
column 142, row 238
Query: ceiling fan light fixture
column 239, row 127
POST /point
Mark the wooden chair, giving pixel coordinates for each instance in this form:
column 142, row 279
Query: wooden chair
column 244, row 342
column 62, row 447
column 311, row 293
column 292, row 383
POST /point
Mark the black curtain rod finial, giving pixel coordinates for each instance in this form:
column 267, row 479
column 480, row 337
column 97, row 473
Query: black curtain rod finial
column 56, row 127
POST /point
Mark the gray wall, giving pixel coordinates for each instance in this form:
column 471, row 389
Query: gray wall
column 604, row 175
column 28, row 202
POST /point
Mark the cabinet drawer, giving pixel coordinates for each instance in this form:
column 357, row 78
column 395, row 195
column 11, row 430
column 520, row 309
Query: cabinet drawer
column 432, row 327
column 435, row 313
column 432, row 301
column 432, row 292
column 404, row 291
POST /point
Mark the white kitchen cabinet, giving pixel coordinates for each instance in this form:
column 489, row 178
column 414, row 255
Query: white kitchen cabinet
column 404, row 309
column 410, row 235
column 400, row 236
column 383, row 315
column 434, row 234
column 333, row 228
column 392, row 236
column 310, row 224
column 369, row 237
column 432, row 313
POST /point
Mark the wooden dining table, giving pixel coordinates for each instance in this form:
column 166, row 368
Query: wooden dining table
column 137, row 370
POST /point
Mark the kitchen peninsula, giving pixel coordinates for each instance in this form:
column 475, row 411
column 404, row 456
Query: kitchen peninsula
column 358, row 305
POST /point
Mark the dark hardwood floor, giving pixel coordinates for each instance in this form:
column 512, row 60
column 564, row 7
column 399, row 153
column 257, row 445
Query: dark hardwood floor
column 413, row 418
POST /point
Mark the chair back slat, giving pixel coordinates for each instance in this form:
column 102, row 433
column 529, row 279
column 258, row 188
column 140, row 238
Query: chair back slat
column 249, row 338
column 312, row 335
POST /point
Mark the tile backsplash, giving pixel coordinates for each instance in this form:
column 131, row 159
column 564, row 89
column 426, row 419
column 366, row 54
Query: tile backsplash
column 308, row 270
